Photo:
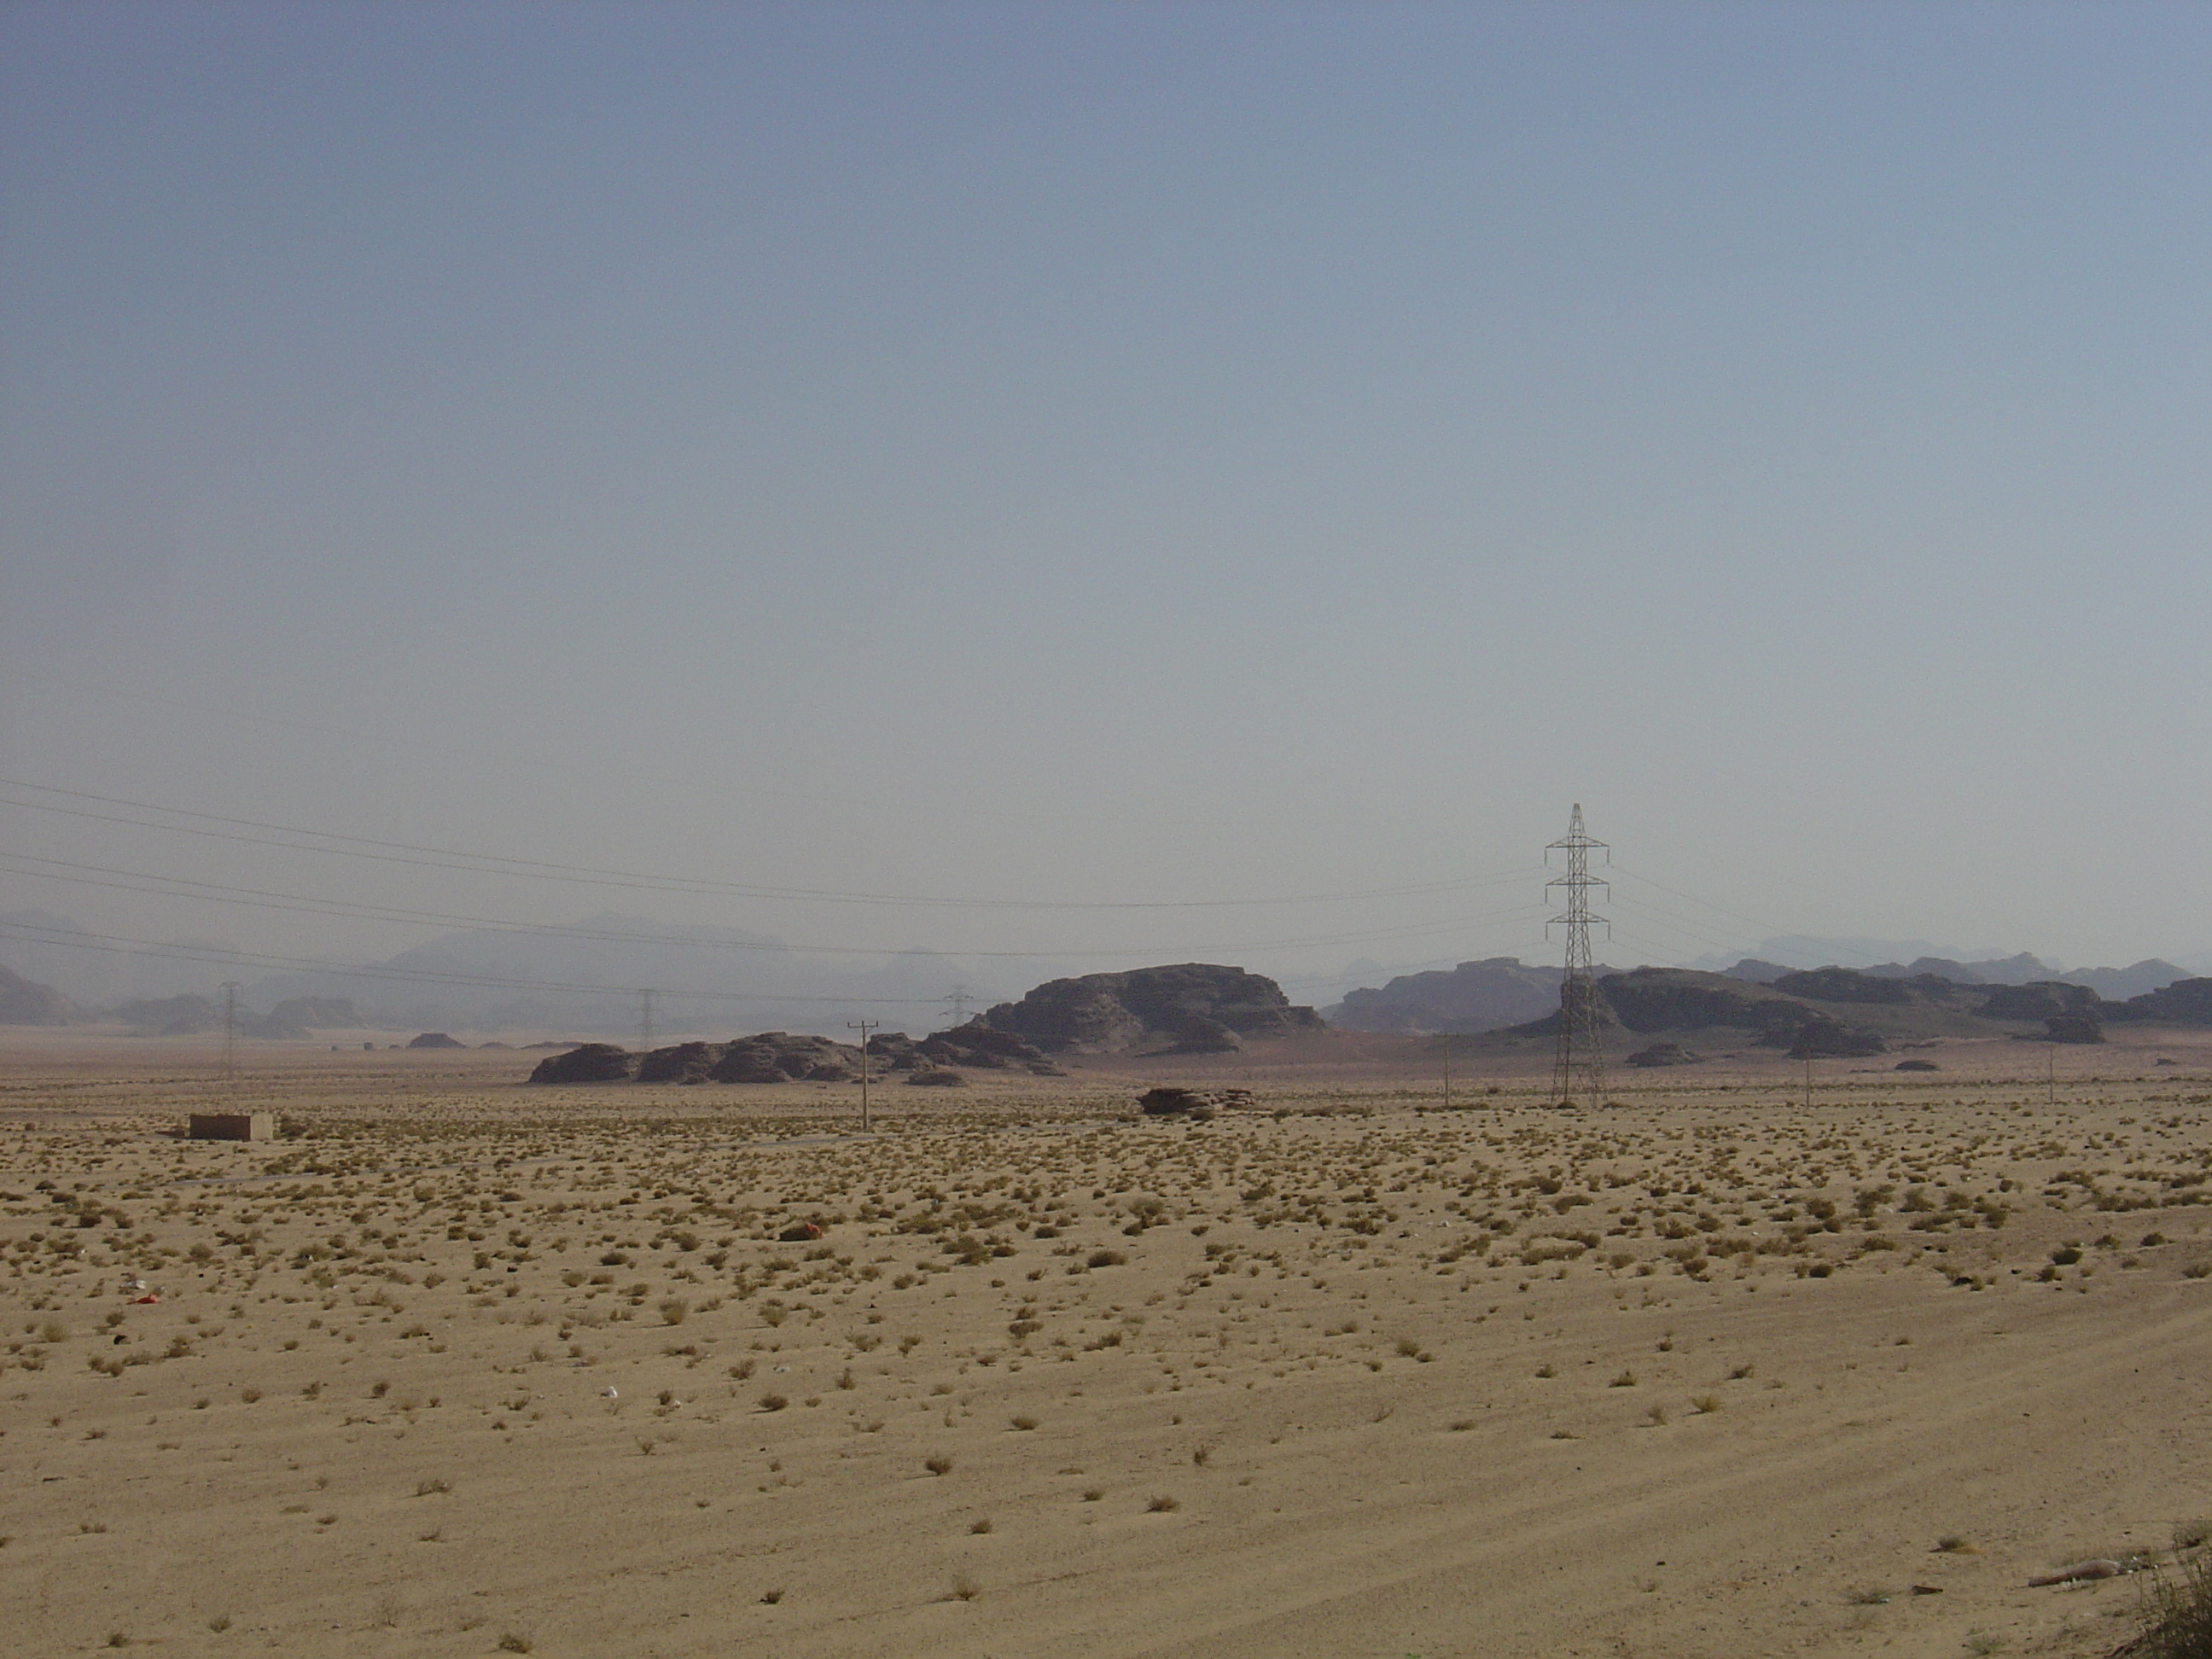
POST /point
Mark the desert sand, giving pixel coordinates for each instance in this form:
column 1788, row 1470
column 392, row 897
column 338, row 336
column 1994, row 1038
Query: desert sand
column 467, row 1367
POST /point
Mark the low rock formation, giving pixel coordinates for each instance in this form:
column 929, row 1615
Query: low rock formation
column 2041, row 999
column 2075, row 1028
column 974, row 1044
column 1196, row 1004
column 1475, row 996
column 784, row 1057
column 1843, row 985
column 1662, row 1053
column 1823, row 1038
column 2185, row 1002
column 686, row 1062
column 436, row 1040
column 588, row 1062
column 1169, row 1101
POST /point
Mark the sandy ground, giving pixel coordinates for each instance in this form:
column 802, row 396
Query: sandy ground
column 468, row 1367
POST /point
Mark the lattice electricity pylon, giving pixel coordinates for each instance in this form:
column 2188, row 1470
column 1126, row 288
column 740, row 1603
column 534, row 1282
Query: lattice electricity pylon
column 1578, row 1069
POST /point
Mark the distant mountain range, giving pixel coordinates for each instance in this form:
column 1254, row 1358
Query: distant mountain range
column 585, row 977
column 1502, row 991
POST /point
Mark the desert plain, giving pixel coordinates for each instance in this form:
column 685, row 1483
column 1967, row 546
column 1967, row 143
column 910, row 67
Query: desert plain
column 1740, row 1365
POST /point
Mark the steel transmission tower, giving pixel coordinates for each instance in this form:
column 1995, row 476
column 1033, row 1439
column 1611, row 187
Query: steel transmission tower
column 1578, row 1070
column 956, row 1001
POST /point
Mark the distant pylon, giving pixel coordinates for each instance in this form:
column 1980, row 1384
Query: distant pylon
column 230, row 990
column 1579, row 1068
column 956, row 1003
column 645, row 1019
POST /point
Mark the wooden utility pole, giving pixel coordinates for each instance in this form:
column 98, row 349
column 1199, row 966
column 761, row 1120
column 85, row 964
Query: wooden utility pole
column 863, row 1026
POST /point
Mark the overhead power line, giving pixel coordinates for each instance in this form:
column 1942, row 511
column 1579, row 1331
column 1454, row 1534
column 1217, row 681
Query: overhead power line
column 395, row 852
column 132, row 881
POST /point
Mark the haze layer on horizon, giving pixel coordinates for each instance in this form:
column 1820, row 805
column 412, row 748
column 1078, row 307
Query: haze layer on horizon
column 1092, row 462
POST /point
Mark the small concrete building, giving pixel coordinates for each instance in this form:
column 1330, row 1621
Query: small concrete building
column 233, row 1125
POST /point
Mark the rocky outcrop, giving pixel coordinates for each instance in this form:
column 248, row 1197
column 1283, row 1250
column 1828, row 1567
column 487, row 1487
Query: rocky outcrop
column 588, row 1062
column 974, row 1044
column 1651, row 1001
column 26, row 1002
column 1191, row 1102
column 2075, row 1028
column 1151, row 1009
column 784, row 1057
column 2041, row 999
column 685, row 1062
column 1654, row 1000
column 1475, row 996
column 1843, row 985
column 1662, row 1053
column 436, row 1040
column 2185, row 1002
column 1823, row 1038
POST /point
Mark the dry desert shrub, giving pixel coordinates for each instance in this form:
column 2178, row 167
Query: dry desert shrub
column 2177, row 1614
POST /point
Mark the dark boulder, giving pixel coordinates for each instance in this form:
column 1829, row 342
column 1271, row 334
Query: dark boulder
column 936, row 1077
column 1917, row 1065
column 588, row 1062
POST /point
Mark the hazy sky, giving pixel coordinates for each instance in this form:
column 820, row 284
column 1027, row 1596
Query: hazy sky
column 1114, row 453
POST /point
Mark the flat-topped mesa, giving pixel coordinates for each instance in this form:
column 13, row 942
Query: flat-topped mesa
column 1191, row 1007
